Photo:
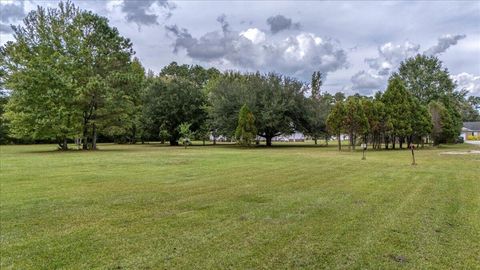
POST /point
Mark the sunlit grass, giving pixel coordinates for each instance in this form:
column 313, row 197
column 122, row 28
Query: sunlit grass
column 152, row 206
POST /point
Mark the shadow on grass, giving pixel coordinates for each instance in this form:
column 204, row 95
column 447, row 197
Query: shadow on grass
column 110, row 147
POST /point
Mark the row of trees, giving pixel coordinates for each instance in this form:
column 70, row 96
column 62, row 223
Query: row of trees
column 390, row 117
column 420, row 102
column 71, row 76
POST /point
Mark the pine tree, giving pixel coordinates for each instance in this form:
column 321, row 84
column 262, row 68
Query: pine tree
column 398, row 104
column 246, row 131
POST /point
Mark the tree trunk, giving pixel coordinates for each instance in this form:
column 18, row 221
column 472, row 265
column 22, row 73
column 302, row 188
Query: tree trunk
column 134, row 135
column 173, row 142
column 63, row 144
column 393, row 142
column 94, row 137
column 268, row 140
column 315, row 139
column 339, row 142
column 85, row 135
column 400, row 142
column 214, row 140
column 352, row 141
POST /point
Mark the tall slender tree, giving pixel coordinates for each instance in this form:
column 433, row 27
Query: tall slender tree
column 336, row 121
column 398, row 104
column 316, row 109
column 316, row 84
column 356, row 122
column 246, row 130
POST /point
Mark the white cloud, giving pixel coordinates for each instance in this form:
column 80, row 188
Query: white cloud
column 469, row 82
column 443, row 43
column 280, row 22
column 380, row 47
column 255, row 35
column 390, row 56
column 367, row 83
column 146, row 12
column 298, row 55
column 10, row 13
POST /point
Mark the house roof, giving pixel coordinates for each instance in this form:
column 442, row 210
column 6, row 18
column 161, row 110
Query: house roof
column 474, row 126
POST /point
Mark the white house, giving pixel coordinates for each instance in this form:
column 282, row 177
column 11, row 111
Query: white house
column 295, row 137
column 470, row 129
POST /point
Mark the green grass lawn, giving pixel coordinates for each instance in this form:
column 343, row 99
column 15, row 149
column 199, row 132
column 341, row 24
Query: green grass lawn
column 160, row 207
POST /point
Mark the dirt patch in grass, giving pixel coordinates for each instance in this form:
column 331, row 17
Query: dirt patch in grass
column 398, row 258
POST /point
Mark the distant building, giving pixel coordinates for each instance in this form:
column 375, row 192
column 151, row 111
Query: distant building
column 295, row 137
column 470, row 129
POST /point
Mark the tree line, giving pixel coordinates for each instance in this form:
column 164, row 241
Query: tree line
column 71, row 76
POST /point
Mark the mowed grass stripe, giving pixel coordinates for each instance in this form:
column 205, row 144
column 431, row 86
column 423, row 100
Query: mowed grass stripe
column 150, row 206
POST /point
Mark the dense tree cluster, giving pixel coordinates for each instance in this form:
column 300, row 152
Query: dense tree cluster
column 389, row 117
column 73, row 77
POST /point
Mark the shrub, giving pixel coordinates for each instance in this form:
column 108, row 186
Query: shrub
column 473, row 138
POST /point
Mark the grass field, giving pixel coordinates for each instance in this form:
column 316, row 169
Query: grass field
column 224, row 207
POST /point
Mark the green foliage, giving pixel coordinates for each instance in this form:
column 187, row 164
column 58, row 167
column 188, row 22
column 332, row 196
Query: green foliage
column 171, row 101
column 64, row 69
column 185, row 133
column 246, row 131
column 355, row 120
column 316, row 84
column 203, row 133
column 426, row 79
column 196, row 74
column 470, row 109
column 315, row 117
column 36, row 65
column 124, row 104
column 336, row 120
column 316, row 109
column 72, row 75
column 276, row 101
column 443, row 124
column 378, row 120
column 398, row 105
column 421, row 120
column 163, row 134
column 4, row 132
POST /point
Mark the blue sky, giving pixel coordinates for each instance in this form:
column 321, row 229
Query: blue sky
column 356, row 45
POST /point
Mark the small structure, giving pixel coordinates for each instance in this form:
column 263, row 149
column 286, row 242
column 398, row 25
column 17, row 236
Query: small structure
column 471, row 131
column 294, row 137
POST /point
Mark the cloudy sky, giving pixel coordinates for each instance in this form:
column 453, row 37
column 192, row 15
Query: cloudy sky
column 356, row 45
